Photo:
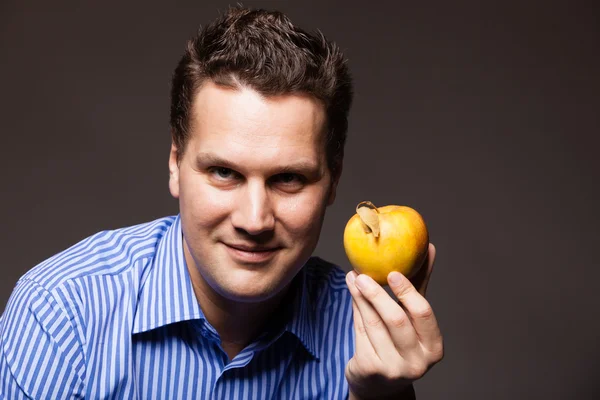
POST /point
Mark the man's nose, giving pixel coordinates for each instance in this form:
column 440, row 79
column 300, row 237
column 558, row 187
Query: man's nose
column 254, row 211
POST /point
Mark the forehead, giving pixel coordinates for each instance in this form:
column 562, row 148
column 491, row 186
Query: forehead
column 245, row 125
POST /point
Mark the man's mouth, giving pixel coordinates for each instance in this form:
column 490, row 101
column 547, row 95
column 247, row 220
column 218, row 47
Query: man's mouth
column 251, row 253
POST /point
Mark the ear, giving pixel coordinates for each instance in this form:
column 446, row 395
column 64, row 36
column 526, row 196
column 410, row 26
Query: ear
column 335, row 179
column 173, row 172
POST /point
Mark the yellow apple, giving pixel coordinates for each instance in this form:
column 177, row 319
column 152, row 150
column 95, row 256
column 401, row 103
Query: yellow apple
column 381, row 240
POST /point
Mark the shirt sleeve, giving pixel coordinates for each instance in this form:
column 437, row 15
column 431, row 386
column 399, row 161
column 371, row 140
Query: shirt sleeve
column 40, row 354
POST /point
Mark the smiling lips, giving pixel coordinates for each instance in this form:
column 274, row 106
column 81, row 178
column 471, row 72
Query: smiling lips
column 251, row 254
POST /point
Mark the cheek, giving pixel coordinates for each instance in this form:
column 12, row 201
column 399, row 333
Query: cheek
column 202, row 205
column 302, row 215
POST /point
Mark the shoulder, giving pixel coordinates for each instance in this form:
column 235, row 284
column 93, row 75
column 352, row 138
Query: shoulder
column 75, row 283
column 67, row 290
column 108, row 252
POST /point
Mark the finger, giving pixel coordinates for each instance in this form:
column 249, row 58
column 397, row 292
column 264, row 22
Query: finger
column 372, row 323
column 418, row 310
column 363, row 347
column 421, row 279
column 398, row 324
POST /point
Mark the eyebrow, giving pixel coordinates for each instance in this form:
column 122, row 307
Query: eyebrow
column 210, row 159
column 205, row 160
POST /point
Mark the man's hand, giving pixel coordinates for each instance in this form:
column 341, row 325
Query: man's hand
column 396, row 342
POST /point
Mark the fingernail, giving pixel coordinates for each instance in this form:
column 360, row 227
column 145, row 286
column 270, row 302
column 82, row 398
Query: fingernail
column 350, row 277
column 395, row 277
column 363, row 282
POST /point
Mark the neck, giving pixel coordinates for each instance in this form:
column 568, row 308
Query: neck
column 237, row 323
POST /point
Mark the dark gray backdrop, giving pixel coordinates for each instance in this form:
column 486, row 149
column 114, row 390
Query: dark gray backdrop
column 482, row 117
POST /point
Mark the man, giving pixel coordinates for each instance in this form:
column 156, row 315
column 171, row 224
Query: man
column 224, row 300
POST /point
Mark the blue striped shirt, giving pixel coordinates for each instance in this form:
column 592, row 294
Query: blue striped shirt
column 115, row 317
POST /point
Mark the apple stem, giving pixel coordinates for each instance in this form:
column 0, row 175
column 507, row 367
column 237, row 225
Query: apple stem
column 369, row 216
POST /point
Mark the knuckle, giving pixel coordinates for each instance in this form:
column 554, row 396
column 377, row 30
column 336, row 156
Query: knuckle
column 374, row 322
column 367, row 368
column 361, row 330
column 395, row 373
column 372, row 293
column 371, row 372
column 423, row 312
column 402, row 289
column 439, row 356
column 437, row 352
column 410, row 372
column 398, row 321
column 416, row 371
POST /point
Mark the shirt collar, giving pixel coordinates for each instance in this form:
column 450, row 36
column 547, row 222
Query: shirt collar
column 167, row 296
column 301, row 322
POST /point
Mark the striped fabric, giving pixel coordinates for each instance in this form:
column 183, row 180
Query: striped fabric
column 115, row 317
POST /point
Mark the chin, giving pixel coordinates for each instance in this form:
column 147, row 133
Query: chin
column 246, row 293
column 249, row 285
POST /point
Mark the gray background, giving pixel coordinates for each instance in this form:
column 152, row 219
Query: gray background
column 482, row 117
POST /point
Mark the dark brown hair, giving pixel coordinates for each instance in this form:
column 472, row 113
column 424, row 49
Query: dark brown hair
column 266, row 52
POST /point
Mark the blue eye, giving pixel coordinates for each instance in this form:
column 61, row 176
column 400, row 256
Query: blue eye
column 223, row 172
column 288, row 178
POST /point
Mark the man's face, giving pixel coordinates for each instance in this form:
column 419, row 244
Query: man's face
column 253, row 185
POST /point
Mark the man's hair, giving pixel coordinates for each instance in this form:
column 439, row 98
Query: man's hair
column 264, row 51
